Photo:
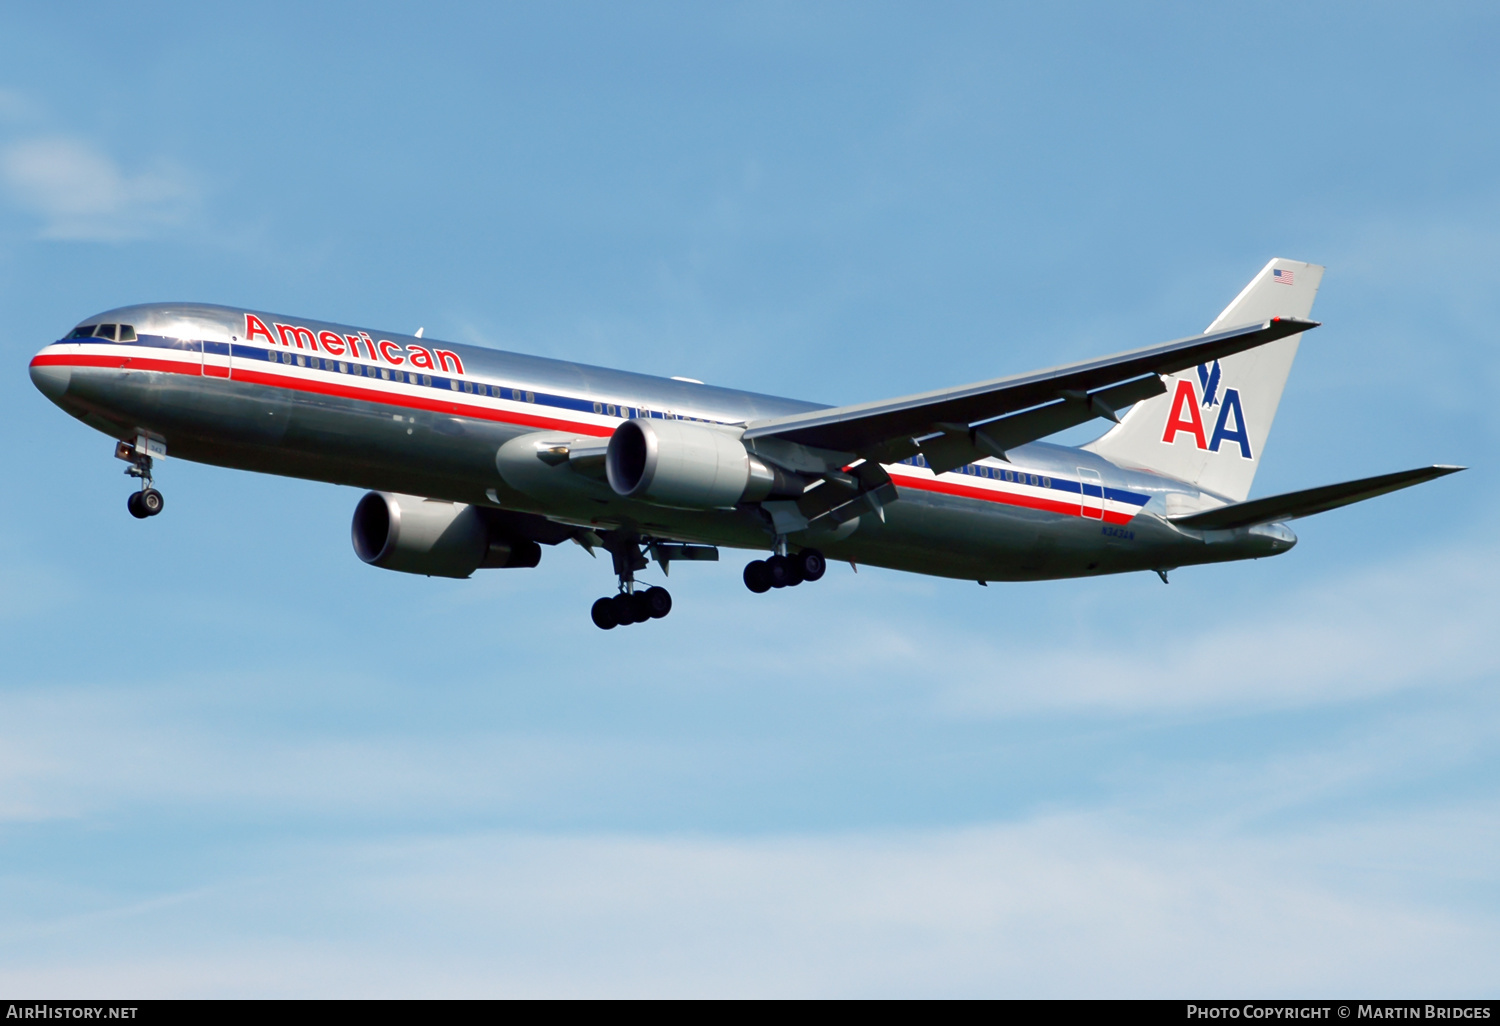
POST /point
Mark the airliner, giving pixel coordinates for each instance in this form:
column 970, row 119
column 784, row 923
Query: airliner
column 474, row 458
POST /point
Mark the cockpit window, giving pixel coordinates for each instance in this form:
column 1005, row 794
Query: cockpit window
column 127, row 333
column 84, row 331
column 106, row 331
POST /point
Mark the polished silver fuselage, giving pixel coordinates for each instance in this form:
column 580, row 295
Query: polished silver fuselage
column 213, row 392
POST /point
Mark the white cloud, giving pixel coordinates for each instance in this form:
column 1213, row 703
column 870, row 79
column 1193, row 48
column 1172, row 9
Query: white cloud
column 1429, row 618
column 1060, row 906
column 1197, row 874
column 82, row 193
column 78, row 749
column 1128, row 646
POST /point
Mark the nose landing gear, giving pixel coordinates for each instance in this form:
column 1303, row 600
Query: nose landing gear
column 784, row 571
column 148, row 501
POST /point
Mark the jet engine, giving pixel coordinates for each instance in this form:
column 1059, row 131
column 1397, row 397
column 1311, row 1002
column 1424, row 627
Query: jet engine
column 433, row 537
column 689, row 466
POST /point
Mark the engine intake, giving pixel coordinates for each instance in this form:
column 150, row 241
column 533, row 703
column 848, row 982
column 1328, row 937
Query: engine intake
column 433, row 537
column 689, row 466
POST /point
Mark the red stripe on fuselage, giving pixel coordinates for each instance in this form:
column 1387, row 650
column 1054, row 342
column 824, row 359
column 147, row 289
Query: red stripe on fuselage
column 916, row 483
column 332, row 388
column 928, row 484
column 417, row 402
column 117, row 363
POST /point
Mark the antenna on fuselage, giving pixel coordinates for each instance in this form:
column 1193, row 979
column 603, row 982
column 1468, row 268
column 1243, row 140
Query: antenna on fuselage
column 419, row 332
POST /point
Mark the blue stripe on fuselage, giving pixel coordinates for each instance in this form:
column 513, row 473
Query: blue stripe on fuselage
column 352, row 368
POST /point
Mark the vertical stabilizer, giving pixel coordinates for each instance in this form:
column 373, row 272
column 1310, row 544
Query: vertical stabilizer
column 1211, row 424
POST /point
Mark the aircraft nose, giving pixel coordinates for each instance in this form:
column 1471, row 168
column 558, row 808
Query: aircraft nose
column 51, row 380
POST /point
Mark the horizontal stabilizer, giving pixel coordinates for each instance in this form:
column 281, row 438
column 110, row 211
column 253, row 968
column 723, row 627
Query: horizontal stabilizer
column 1305, row 503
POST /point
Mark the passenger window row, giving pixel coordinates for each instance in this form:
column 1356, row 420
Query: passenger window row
column 387, row 374
column 993, row 473
column 613, row 410
column 466, row 386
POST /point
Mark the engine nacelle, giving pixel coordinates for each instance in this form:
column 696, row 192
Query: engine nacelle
column 689, row 466
column 433, row 537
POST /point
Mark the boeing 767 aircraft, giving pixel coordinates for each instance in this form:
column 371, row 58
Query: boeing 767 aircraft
column 476, row 458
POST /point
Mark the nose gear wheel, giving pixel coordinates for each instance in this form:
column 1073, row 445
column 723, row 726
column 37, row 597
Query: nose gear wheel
column 145, row 503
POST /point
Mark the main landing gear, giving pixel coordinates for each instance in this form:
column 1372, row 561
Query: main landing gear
column 148, row 501
column 784, row 571
column 629, row 606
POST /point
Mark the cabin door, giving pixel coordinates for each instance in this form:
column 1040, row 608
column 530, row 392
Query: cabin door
column 1090, row 494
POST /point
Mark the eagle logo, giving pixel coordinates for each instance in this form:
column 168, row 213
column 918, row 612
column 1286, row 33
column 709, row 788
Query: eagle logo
column 1208, row 378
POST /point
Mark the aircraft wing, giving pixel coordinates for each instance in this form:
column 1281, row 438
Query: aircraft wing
column 1306, row 503
column 1008, row 411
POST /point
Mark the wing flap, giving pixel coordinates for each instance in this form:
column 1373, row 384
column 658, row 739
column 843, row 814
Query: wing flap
column 959, row 446
column 1309, row 501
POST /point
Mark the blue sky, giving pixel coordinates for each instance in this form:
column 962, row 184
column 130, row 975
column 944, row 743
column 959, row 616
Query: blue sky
column 234, row 760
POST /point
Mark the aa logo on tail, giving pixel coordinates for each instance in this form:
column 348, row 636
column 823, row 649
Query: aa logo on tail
column 1209, row 379
column 1185, row 417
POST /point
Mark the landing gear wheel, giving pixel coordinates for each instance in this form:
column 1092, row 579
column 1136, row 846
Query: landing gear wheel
column 624, row 608
column 758, row 576
column 783, row 572
column 133, row 503
column 151, row 501
column 640, row 605
column 811, row 564
column 658, row 602
column 603, row 614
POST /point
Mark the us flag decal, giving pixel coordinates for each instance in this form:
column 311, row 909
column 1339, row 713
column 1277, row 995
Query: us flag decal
column 1284, row 277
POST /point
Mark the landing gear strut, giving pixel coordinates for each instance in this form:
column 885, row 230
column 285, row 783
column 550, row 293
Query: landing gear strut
column 629, row 606
column 783, row 570
column 148, row 501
